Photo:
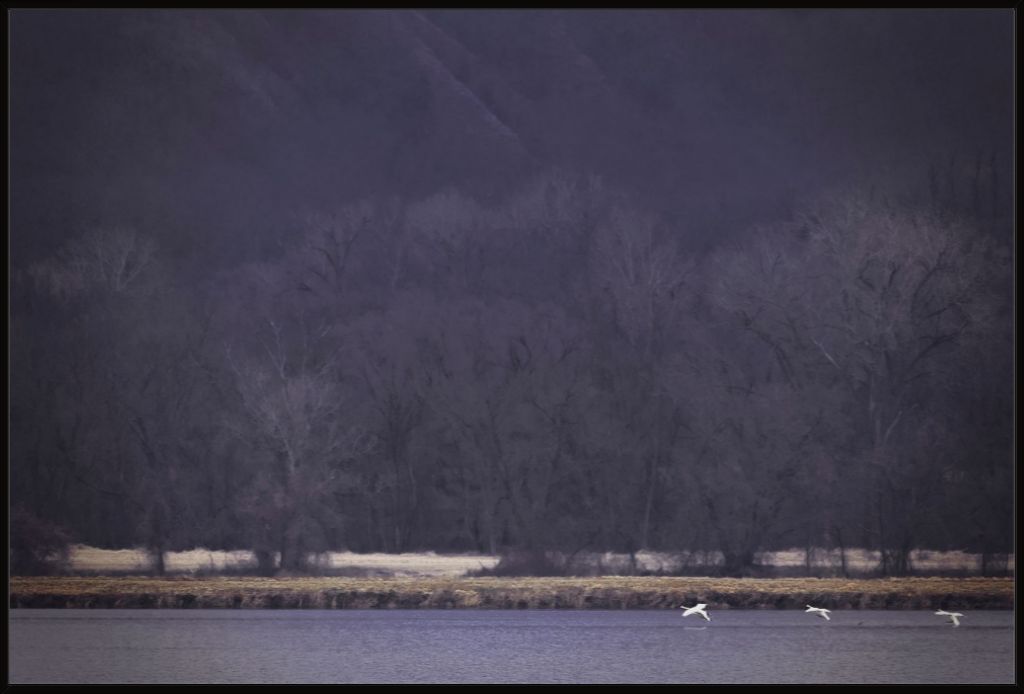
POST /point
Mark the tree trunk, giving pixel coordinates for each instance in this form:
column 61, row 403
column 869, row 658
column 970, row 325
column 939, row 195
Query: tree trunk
column 157, row 540
column 738, row 562
column 293, row 555
column 265, row 562
column 842, row 551
column 159, row 568
column 644, row 540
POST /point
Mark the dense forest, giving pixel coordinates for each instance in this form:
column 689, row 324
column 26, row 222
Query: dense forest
column 548, row 374
column 511, row 281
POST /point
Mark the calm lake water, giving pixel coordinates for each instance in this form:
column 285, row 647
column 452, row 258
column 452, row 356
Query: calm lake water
column 762, row 646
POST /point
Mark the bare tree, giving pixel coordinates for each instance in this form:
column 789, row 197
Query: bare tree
column 328, row 245
column 640, row 275
column 894, row 295
column 385, row 358
column 875, row 301
column 110, row 257
column 292, row 404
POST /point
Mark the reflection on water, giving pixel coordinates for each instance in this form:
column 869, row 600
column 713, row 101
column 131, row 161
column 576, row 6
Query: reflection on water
column 314, row 646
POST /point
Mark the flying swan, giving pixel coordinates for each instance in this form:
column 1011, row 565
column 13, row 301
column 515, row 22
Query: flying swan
column 696, row 609
column 820, row 611
column 952, row 616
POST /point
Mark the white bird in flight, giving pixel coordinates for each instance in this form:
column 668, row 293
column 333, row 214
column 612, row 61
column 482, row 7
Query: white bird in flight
column 820, row 611
column 696, row 609
column 952, row 616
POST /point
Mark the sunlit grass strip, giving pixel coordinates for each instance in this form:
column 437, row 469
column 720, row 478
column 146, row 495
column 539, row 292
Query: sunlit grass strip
column 95, row 561
column 510, row 593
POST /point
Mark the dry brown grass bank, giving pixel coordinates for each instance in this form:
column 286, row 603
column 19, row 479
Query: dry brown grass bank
column 610, row 592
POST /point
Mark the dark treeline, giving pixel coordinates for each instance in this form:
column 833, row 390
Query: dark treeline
column 548, row 373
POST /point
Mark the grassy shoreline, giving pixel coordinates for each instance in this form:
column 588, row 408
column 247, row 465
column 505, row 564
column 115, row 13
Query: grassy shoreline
column 610, row 592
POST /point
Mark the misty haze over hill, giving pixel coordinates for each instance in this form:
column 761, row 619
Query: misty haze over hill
column 216, row 126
